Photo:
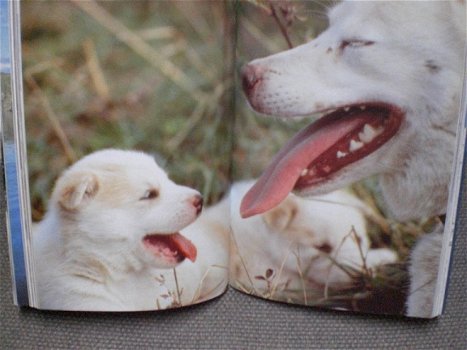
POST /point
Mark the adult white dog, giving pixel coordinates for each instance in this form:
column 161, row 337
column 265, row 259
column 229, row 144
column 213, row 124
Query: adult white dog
column 385, row 79
column 114, row 216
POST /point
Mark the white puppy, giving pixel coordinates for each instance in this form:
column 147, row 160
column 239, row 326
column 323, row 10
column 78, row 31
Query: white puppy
column 305, row 244
column 385, row 80
column 113, row 217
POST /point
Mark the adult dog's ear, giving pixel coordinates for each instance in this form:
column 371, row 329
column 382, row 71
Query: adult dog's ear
column 76, row 190
column 280, row 217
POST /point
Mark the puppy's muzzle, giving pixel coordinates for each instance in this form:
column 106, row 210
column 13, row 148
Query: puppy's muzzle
column 197, row 202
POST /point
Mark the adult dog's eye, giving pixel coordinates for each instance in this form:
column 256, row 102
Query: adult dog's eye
column 354, row 43
column 150, row 194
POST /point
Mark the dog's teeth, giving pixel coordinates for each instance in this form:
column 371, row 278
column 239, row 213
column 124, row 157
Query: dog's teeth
column 340, row 154
column 326, row 168
column 355, row 145
column 369, row 133
column 362, row 108
column 304, row 172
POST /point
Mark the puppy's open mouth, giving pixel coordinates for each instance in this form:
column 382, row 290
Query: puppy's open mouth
column 172, row 247
column 339, row 138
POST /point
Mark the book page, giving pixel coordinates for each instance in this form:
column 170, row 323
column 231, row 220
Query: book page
column 127, row 125
column 347, row 119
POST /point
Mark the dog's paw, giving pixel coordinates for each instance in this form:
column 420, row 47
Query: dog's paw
column 378, row 257
column 423, row 271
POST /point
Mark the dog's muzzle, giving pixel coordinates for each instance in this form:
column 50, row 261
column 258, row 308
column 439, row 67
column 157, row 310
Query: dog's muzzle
column 197, row 202
column 251, row 76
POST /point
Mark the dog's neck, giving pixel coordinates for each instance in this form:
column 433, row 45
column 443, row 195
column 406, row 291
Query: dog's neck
column 102, row 265
column 420, row 186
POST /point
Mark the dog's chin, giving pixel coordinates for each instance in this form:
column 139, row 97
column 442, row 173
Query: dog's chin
column 314, row 159
column 168, row 250
column 163, row 262
column 333, row 183
column 345, row 176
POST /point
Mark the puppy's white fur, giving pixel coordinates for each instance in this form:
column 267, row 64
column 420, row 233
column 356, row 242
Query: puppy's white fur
column 415, row 61
column 209, row 275
column 88, row 250
column 302, row 241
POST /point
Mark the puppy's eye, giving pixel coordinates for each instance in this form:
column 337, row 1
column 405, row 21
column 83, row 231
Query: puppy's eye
column 355, row 43
column 150, row 194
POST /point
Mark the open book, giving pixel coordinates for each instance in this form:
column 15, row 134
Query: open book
column 304, row 152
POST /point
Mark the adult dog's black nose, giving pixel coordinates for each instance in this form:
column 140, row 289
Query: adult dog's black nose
column 197, row 202
column 251, row 76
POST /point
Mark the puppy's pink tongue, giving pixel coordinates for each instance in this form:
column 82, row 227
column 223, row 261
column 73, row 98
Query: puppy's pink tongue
column 280, row 177
column 184, row 246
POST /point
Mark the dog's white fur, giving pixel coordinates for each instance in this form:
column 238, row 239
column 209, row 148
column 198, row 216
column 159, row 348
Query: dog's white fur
column 422, row 270
column 302, row 241
column 209, row 275
column 416, row 63
column 88, row 250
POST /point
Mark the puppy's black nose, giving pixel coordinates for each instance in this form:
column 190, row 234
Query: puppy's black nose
column 251, row 76
column 197, row 202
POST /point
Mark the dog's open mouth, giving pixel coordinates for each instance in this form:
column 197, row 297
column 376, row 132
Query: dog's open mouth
column 172, row 247
column 339, row 138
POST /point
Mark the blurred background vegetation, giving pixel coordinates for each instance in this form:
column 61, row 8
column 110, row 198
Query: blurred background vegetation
column 147, row 75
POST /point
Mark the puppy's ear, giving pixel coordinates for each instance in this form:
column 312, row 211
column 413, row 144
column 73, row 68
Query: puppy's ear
column 76, row 190
column 280, row 217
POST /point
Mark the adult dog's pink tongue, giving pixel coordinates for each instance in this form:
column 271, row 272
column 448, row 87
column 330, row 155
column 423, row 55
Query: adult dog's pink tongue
column 280, row 177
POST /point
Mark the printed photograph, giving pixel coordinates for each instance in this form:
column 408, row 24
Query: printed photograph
column 128, row 118
column 347, row 116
